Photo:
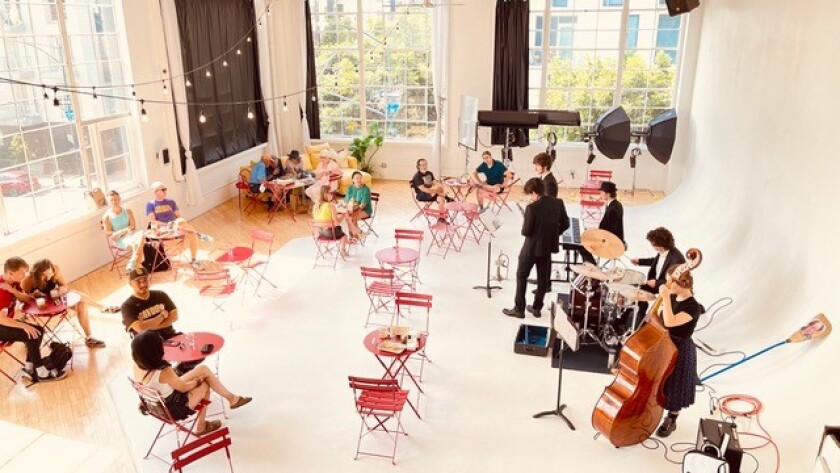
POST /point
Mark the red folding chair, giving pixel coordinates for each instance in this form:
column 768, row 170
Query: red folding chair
column 200, row 448
column 119, row 257
column 367, row 222
column 326, row 248
column 406, row 238
column 499, row 201
column 335, row 183
column 600, row 175
column 279, row 196
column 4, row 349
column 152, row 404
column 379, row 401
column 591, row 206
column 218, row 286
column 243, row 256
column 443, row 232
column 421, row 206
column 253, row 199
column 381, row 287
column 404, row 304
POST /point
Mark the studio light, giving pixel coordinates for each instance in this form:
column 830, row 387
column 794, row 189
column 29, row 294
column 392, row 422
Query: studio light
column 661, row 134
column 612, row 133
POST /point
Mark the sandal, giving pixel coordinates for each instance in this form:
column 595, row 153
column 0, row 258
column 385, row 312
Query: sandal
column 241, row 402
column 111, row 309
column 209, row 426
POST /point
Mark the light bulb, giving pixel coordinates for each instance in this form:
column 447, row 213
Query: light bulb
column 313, row 98
column 225, row 63
column 268, row 11
column 239, row 52
column 249, row 39
column 94, row 94
column 165, row 90
column 285, row 107
column 143, row 115
column 188, row 83
column 250, row 114
column 207, row 73
column 202, row 118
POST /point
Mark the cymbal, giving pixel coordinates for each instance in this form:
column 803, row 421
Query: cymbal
column 590, row 271
column 638, row 295
column 620, row 287
column 602, row 243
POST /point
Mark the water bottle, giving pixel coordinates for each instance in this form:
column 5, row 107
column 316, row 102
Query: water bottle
column 56, row 298
column 191, row 341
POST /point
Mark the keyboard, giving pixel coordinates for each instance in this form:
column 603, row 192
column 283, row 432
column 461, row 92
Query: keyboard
column 570, row 239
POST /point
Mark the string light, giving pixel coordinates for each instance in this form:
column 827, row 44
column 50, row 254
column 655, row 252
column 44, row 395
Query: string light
column 268, row 11
column 133, row 92
column 250, row 114
column 314, row 98
column 165, row 89
column 249, row 39
column 188, row 83
column 56, row 103
column 285, row 106
column 44, row 88
column 202, row 118
column 143, row 115
column 207, row 73
column 225, row 63
column 259, row 23
column 94, row 93
column 238, row 52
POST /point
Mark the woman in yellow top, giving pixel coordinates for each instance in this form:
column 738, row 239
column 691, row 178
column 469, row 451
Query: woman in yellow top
column 326, row 211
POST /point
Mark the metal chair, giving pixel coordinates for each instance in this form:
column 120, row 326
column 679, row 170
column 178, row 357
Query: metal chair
column 499, row 201
column 200, row 448
column 444, row 234
column 379, row 401
column 152, row 404
column 119, row 256
column 591, row 206
column 4, row 349
column 421, row 206
column 410, row 237
column 381, row 288
column 404, row 302
column 218, row 286
column 368, row 221
column 327, row 248
column 600, row 175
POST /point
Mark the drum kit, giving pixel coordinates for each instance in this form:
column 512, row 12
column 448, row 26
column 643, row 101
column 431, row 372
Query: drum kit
column 602, row 299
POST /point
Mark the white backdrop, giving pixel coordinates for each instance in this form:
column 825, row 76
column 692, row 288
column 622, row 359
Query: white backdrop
column 758, row 196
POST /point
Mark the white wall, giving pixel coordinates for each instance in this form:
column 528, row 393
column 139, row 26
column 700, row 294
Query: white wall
column 758, row 196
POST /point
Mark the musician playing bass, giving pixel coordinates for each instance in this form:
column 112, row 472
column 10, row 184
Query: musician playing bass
column 613, row 219
column 680, row 312
column 667, row 255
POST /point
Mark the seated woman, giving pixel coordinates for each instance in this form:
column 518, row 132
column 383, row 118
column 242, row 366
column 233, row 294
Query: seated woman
column 326, row 211
column 121, row 228
column 359, row 205
column 327, row 167
column 181, row 394
column 46, row 277
column 294, row 167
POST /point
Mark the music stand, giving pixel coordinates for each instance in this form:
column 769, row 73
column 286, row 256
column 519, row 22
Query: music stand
column 566, row 333
column 491, row 224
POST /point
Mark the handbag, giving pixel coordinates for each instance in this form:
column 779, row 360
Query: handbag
column 707, row 459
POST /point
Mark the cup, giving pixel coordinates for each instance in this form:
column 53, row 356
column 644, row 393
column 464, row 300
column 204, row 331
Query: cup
column 55, row 295
column 191, row 341
column 383, row 333
column 40, row 302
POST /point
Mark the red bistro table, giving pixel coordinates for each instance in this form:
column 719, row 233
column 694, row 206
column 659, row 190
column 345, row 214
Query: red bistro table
column 53, row 309
column 403, row 261
column 466, row 225
column 176, row 350
column 397, row 364
column 459, row 189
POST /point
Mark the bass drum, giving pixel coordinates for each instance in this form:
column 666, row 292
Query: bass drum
column 577, row 301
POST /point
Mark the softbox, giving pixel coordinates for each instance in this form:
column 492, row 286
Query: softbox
column 661, row 134
column 612, row 133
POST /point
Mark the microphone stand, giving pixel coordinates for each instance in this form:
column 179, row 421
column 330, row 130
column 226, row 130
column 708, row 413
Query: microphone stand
column 487, row 287
column 558, row 409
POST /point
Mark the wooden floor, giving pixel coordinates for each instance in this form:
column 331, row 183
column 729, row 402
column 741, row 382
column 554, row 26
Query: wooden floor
column 80, row 407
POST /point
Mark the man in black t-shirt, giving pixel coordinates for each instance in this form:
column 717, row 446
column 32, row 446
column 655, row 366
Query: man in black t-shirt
column 425, row 186
column 146, row 309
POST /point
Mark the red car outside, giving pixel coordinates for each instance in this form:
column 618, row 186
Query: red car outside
column 15, row 183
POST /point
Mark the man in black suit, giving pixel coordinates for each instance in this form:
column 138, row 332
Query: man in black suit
column 542, row 166
column 667, row 255
column 545, row 221
column 613, row 219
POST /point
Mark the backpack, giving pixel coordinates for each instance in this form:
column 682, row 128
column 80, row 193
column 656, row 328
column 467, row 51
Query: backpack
column 60, row 355
column 153, row 252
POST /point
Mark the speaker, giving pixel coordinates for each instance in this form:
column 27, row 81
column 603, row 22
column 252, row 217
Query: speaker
column 558, row 117
column 712, row 431
column 678, row 7
column 508, row 118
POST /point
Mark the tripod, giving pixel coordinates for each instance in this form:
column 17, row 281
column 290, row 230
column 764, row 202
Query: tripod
column 558, row 409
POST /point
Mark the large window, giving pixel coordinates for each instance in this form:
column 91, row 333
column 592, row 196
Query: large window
column 50, row 155
column 587, row 65
column 376, row 77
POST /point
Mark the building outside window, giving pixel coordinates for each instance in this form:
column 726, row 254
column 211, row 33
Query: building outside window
column 587, row 65
column 373, row 59
column 50, row 155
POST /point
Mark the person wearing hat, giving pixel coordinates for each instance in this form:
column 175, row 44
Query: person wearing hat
column 294, row 167
column 266, row 169
column 327, row 167
column 613, row 219
column 163, row 213
column 147, row 309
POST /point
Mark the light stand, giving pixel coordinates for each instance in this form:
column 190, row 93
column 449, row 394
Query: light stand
column 487, row 287
column 558, row 409
column 507, row 152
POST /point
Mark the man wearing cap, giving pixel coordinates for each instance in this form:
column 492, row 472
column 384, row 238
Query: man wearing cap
column 294, row 167
column 163, row 213
column 147, row 309
column 327, row 167
column 613, row 219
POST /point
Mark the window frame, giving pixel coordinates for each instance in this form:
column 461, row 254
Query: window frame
column 618, row 90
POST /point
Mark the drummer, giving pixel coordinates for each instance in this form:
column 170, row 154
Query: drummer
column 613, row 219
column 667, row 255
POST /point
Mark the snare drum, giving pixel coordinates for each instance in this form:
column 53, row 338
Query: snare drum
column 615, row 298
column 632, row 278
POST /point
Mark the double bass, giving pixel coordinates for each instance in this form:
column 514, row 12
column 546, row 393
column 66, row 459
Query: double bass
column 630, row 408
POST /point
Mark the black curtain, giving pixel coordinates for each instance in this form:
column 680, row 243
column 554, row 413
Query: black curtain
column 311, row 80
column 510, row 65
column 209, row 28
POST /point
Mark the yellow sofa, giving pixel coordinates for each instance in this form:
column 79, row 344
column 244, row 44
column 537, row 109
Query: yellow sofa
column 348, row 165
